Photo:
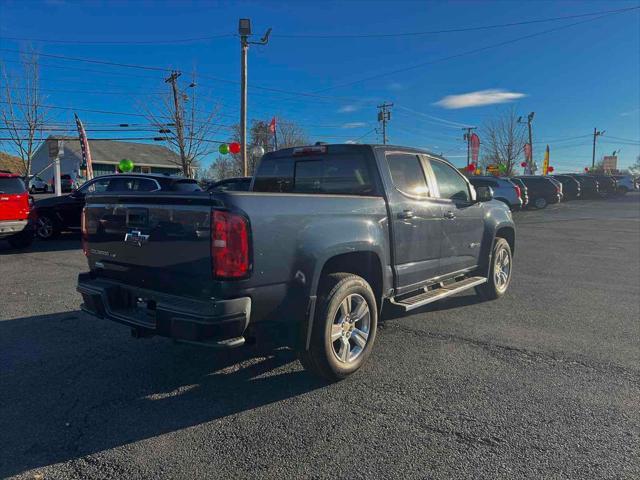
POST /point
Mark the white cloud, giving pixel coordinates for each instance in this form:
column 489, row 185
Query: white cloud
column 347, row 109
column 630, row 112
column 479, row 98
column 351, row 142
column 353, row 125
column 395, row 86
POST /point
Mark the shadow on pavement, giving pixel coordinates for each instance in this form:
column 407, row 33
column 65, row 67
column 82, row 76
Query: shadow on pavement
column 73, row 385
column 66, row 241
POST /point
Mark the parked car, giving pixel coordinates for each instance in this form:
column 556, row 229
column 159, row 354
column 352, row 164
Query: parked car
column 541, row 190
column 589, row 187
column 607, row 185
column 36, row 184
column 503, row 189
column 625, row 184
column 524, row 193
column 58, row 214
column 16, row 220
column 66, row 183
column 328, row 233
column 557, row 184
column 236, row 184
column 570, row 187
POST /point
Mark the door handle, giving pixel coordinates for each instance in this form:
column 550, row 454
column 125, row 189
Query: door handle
column 450, row 215
column 405, row 214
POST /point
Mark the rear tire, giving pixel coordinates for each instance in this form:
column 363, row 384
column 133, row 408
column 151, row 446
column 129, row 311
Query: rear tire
column 500, row 271
column 344, row 327
column 540, row 203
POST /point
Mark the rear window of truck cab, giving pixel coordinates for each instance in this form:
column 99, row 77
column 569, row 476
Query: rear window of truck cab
column 343, row 174
column 11, row 185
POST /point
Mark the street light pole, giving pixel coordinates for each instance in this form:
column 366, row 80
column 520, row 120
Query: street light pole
column 244, row 29
column 243, row 104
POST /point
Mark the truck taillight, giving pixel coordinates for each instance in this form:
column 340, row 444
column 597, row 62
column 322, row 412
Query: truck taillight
column 518, row 192
column 229, row 245
column 85, row 232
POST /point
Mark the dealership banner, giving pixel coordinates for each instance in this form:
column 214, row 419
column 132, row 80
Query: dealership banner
column 84, row 146
column 475, row 147
column 545, row 165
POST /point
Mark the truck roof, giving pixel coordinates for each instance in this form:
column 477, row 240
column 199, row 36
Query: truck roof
column 343, row 147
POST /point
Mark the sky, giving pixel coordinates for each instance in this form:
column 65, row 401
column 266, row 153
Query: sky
column 333, row 62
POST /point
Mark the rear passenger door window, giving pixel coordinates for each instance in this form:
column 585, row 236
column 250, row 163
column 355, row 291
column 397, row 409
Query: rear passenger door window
column 451, row 184
column 338, row 175
column 407, row 174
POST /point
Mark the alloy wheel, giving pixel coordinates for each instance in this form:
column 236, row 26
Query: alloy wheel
column 502, row 269
column 350, row 328
column 44, row 227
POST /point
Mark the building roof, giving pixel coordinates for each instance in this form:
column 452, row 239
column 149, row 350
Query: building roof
column 112, row 151
column 11, row 163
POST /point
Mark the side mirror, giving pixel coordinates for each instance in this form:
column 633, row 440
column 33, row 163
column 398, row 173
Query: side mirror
column 484, row 194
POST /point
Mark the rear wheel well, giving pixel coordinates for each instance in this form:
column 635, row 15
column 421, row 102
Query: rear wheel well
column 364, row 264
column 509, row 235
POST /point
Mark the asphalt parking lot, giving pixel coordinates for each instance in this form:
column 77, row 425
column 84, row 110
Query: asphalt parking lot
column 544, row 383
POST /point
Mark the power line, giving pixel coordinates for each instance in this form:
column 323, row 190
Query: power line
column 91, row 60
column 462, row 54
column 449, row 30
column 120, row 42
column 316, row 36
column 442, row 121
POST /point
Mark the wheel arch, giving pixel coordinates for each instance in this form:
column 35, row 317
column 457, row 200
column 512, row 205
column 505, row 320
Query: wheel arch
column 364, row 263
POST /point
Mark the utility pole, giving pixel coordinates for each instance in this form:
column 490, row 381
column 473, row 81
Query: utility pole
column 244, row 29
column 172, row 79
column 596, row 134
column 530, row 162
column 384, row 115
column 467, row 137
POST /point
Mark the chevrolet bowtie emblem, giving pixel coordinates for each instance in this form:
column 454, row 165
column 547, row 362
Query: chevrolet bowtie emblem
column 136, row 238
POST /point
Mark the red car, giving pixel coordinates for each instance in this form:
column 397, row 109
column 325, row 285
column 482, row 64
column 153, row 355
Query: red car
column 16, row 223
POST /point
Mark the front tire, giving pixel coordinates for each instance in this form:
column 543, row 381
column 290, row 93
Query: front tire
column 344, row 327
column 499, row 273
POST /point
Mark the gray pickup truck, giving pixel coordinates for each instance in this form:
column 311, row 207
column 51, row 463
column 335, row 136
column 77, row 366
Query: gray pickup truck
column 325, row 237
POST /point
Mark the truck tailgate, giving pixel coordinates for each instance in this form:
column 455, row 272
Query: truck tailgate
column 156, row 241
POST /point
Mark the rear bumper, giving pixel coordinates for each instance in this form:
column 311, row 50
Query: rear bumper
column 216, row 323
column 12, row 227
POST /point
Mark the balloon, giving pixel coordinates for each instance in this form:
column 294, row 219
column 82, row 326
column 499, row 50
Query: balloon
column 586, row 169
column 125, row 165
column 223, row 149
column 471, row 167
column 234, row 147
column 523, row 164
column 257, row 151
column 502, row 168
column 550, row 169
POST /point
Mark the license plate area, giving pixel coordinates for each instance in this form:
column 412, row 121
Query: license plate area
column 134, row 308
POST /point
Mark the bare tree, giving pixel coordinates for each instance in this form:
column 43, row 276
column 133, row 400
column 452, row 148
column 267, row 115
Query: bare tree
column 503, row 140
column 185, row 128
column 21, row 111
column 288, row 132
column 291, row 135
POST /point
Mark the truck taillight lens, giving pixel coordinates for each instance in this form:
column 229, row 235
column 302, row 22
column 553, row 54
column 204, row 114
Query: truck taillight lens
column 85, row 232
column 229, row 245
column 518, row 192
